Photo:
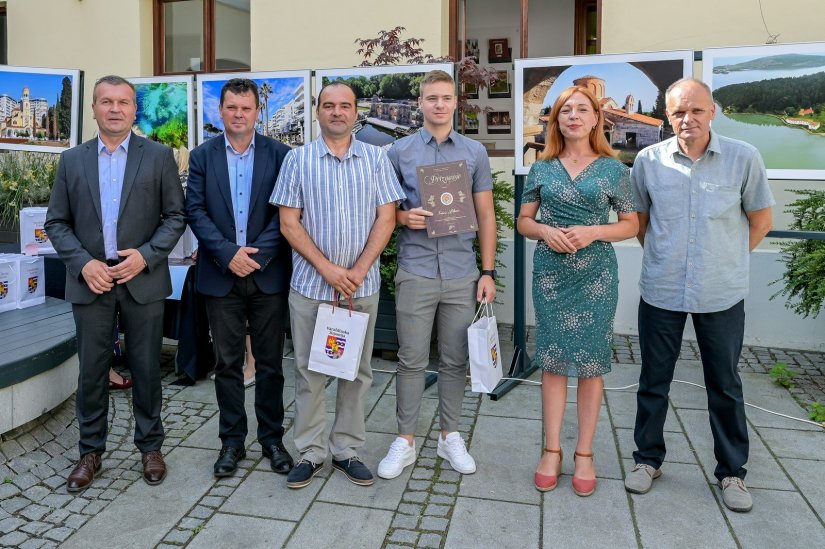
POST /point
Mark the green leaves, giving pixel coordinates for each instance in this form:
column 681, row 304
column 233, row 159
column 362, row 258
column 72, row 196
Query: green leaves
column 804, row 275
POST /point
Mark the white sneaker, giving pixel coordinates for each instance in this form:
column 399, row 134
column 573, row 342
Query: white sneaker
column 453, row 450
column 400, row 455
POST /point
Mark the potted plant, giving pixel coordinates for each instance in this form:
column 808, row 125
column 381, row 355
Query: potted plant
column 804, row 275
column 26, row 179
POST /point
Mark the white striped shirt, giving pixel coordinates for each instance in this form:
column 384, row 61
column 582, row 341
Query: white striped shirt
column 339, row 200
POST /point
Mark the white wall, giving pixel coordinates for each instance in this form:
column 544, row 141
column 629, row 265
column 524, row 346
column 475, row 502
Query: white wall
column 767, row 322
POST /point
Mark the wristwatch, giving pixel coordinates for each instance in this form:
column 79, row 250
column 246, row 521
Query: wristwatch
column 489, row 272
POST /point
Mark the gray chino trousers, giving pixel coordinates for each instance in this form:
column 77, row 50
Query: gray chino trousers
column 420, row 302
column 348, row 430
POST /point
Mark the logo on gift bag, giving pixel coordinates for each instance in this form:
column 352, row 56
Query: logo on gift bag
column 40, row 236
column 494, row 355
column 335, row 346
column 32, row 284
column 4, row 288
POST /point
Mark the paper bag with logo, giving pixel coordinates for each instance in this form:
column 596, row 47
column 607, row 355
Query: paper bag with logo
column 33, row 237
column 338, row 341
column 8, row 284
column 31, row 281
column 485, row 351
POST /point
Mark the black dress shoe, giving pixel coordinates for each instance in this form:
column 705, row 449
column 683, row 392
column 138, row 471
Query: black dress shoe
column 228, row 460
column 279, row 458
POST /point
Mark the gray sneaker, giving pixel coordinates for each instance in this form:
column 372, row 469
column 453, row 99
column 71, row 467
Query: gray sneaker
column 735, row 494
column 640, row 479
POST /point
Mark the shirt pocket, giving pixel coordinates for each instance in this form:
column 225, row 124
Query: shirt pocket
column 720, row 200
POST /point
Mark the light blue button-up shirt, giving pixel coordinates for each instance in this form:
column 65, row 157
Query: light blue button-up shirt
column 696, row 256
column 339, row 200
column 110, row 169
column 240, row 185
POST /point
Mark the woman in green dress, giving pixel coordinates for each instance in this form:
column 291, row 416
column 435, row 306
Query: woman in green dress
column 574, row 184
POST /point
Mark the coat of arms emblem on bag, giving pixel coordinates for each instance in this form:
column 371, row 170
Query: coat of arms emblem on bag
column 335, row 346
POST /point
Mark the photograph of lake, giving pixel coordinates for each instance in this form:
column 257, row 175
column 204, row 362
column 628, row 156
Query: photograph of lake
column 773, row 97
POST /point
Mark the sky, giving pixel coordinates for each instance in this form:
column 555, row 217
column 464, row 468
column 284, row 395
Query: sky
column 283, row 90
column 46, row 86
column 620, row 80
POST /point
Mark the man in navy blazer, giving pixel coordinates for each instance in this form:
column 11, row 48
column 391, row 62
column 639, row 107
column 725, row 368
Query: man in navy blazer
column 244, row 267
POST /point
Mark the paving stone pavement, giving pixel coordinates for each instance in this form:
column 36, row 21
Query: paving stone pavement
column 431, row 505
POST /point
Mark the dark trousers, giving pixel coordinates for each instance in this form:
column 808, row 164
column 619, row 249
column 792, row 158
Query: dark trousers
column 143, row 326
column 719, row 336
column 228, row 317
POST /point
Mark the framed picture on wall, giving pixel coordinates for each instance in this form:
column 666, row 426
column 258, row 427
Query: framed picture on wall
column 498, row 122
column 284, row 98
column 498, row 51
column 630, row 88
column 772, row 97
column 165, row 110
column 470, row 123
column 40, row 108
column 501, row 88
column 470, row 90
column 387, row 98
column 471, row 49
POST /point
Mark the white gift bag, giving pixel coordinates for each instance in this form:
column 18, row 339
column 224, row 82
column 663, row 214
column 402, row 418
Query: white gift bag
column 31, row 285
column 484, row 350
column 8, row 284
column 33, row 237
column 338, row 341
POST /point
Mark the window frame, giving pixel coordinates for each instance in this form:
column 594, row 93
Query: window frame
column 209, row 62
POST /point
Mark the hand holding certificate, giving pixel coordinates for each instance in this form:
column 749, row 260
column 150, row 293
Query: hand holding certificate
column 445, row 190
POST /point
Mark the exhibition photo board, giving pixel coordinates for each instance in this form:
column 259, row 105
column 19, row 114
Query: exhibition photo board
column 387, row 98
column 284, row 98
column 39, row 108
column 629, row 87
column 166, row 111
column 772, row 97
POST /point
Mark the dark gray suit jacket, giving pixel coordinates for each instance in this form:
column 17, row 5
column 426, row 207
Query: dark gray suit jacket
column 151, row 217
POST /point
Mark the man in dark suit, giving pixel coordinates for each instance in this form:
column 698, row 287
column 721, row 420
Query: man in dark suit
column 115, row 213
column 244, row 268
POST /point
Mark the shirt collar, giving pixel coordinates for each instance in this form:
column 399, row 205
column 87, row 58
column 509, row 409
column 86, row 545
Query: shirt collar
column 355, row 148
column 124, row 145
column 426, row 136
column 713, row 145
column 229, row 146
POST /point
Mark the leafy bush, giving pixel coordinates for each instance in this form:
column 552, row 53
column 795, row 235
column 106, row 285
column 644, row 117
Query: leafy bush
column 804, row 275
column 26, row 179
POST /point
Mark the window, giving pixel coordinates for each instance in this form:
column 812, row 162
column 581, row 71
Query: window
column 587, row 38
column 4, row 35
column 201, row 36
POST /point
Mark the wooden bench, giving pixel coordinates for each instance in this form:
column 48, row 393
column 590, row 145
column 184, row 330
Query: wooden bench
column 38, row 362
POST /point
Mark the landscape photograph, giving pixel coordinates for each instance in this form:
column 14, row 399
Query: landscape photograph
column 39, row 108
column 165, row 110
column 630, row 89
column 283, row 96
column 387, row 99
column 773, row 97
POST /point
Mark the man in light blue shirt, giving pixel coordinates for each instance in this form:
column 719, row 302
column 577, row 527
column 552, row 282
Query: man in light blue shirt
column 704, row 204
column 337, row 201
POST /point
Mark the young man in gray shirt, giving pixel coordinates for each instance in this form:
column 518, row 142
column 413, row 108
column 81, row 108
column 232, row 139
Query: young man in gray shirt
column 437, row 280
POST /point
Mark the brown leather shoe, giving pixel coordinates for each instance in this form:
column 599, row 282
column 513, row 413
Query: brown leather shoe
column 154, row 469
column 83, row 473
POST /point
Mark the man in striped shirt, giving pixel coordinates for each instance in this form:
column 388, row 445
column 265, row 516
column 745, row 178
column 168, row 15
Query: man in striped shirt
column 337, row 203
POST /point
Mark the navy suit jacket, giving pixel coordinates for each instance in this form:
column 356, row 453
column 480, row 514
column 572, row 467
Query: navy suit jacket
column 210, row 214
column 151, row 217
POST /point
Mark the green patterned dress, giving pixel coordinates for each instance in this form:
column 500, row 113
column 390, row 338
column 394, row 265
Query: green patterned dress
column 575, row 294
